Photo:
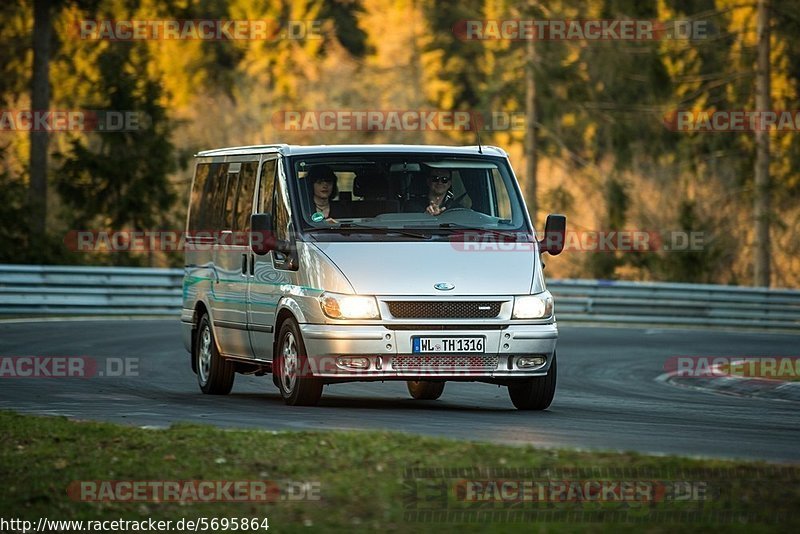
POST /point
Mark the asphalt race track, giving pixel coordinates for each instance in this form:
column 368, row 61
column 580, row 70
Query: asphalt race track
column 607, row 395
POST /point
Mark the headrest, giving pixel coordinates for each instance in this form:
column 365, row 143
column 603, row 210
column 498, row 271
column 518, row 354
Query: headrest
column 371, row 184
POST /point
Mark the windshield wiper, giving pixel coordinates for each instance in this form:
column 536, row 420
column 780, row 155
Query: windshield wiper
column 489, row 231
column 351, row 228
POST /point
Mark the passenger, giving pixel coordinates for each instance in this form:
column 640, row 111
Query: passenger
column 323, row 188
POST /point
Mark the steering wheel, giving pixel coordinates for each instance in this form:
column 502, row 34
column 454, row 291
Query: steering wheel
column 455, row 201
column 453, row 210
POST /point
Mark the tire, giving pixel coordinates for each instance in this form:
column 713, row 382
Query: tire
column 291, row 364
column 536, row 393
column 214, row 373
column 425, row 390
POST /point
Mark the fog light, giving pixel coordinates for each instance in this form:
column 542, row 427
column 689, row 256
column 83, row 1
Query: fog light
column 526, row 362
column 351, row 362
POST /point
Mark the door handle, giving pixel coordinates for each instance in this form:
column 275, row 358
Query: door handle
column 244, row 264
column 225, row 238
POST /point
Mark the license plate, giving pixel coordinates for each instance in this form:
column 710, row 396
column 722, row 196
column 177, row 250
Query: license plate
column 448, row 344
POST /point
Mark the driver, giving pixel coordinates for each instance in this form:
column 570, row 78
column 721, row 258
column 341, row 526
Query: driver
column 440, row 182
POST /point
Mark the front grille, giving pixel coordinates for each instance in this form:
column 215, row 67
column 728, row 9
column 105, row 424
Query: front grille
column 445, row 363
column 451, row 309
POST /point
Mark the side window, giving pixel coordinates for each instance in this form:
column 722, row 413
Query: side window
column 215, row 197
column 244, row 198
column 502, row 200
column 281, row 214
column 459, row 190
column 230, row 196
column 199, row 197
column 267, row 185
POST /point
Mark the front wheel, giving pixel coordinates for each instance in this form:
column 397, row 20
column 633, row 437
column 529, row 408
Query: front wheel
column 425, row 390
column 536, row 393
column 291, row 370
column 214, row 373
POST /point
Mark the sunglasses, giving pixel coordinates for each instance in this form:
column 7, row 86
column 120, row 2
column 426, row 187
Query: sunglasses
column 440, row 179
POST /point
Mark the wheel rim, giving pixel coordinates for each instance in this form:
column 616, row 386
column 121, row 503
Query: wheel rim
column 204, row 355
column 289, row 357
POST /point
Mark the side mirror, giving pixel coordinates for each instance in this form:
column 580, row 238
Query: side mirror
column 555, row 231
column 262, row 239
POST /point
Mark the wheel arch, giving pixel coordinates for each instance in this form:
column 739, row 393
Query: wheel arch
column 200, row 308
column 284, row 313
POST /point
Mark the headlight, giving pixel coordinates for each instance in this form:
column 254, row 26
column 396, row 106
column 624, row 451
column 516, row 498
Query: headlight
column 533, row 306
column 338, row 306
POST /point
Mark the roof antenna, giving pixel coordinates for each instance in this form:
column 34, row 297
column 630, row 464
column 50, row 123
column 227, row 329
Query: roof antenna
column 477, row 131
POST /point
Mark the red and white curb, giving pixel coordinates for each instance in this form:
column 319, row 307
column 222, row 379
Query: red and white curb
column 724, row 383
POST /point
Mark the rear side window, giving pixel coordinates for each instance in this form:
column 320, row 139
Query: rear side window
column 214, row 202
column 207, row 197
column 196, row 201
column 230, row 196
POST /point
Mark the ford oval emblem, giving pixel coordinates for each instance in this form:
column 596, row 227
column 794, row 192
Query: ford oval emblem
column 444, row 286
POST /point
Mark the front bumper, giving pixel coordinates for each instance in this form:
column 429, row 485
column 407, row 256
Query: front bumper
column 388, row 352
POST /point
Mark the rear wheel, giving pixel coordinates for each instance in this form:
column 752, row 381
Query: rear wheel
column 536, row 393
column 291, row 369
column 214, row 373
column 425, row 390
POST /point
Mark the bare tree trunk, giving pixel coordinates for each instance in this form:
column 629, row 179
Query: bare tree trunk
column 531, row 156
column 416, row 100
column 40, row 101
column 761, row 205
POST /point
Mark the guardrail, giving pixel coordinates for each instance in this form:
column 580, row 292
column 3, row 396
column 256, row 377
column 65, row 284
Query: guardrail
column 27, row 290
column 55, row 290
column 671, row 304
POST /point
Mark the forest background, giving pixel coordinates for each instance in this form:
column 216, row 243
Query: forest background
column 596, row 109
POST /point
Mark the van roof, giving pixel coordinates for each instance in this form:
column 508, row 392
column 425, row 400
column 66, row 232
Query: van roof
column 300, row 150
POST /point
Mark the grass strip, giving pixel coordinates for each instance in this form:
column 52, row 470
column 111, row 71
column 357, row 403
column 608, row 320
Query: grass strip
column 385, row 481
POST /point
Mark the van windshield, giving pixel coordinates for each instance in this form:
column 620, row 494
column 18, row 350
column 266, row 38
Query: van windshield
column 426, row 194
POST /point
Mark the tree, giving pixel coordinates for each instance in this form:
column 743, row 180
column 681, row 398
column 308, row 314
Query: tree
column 531, row 155
column 40, row 101
column 761, row 201
column 118, row 180
column 602, row 264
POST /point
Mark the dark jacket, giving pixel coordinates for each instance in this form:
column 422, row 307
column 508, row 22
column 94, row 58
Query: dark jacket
column 420, row 204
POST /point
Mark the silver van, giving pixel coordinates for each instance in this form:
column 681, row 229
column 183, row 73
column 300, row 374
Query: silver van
column 328, row 264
